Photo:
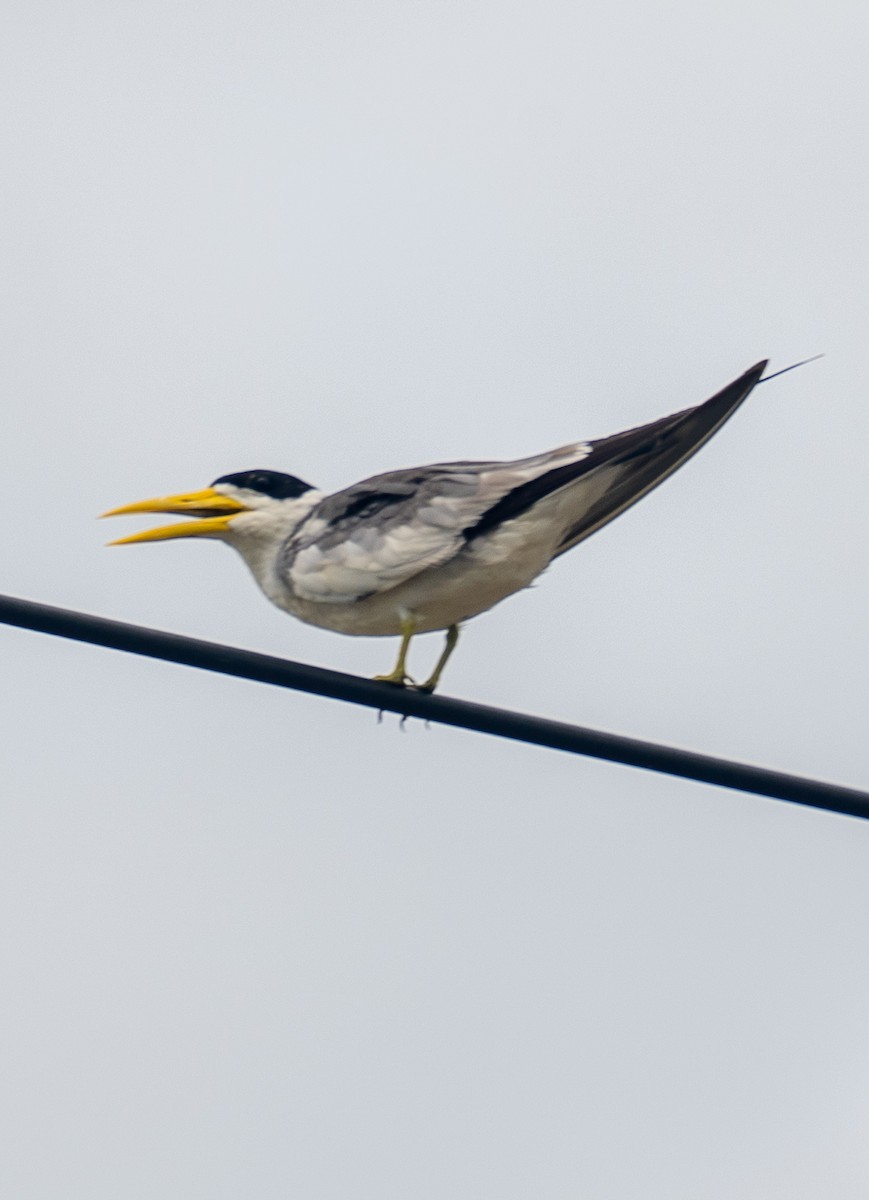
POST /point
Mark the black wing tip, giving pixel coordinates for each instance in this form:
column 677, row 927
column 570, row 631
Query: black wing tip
column 735, row 392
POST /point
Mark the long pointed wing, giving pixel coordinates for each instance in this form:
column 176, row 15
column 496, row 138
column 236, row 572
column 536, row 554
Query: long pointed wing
column 638, row 460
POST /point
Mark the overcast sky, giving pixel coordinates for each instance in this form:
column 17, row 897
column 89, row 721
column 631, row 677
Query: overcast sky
column 254, row 944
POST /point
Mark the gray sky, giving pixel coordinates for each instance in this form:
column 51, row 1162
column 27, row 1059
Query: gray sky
column 254, row 944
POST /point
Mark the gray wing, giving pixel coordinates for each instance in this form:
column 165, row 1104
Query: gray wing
column 379, row 533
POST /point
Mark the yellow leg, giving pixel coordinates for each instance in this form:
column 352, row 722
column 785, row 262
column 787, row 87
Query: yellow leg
column 452, row 639
column 399, row 676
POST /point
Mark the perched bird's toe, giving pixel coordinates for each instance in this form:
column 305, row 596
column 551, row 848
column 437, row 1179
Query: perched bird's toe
column 397, row 679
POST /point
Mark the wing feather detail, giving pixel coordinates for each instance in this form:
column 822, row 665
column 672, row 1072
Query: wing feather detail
column 379, row 533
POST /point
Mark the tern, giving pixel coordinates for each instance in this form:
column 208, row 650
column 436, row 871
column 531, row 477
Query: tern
column 427, row 548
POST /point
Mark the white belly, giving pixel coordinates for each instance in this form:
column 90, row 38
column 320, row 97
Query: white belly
column 469, row 584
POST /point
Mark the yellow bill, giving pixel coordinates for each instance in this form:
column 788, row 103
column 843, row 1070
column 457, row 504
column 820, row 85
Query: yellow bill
column 213, row 509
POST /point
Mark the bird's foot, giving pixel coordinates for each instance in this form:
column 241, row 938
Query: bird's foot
column 396, row 679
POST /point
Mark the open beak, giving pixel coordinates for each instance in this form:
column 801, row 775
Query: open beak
column 214, row 510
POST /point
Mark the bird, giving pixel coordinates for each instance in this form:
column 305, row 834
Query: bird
column 427, row 548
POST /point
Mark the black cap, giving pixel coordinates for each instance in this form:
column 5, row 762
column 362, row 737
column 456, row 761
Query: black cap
column 271, row 483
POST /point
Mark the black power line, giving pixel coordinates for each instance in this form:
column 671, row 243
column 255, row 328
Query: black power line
column 263, row 668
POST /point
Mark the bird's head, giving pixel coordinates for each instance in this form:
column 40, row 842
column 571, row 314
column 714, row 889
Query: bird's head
column 246, row 506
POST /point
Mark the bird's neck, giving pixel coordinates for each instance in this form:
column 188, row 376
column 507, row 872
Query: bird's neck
column 260, row 536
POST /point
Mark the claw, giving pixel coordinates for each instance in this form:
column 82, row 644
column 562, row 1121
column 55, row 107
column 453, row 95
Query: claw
column 396, row 679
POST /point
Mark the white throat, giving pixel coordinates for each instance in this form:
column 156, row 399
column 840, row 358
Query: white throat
column 260, row 535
